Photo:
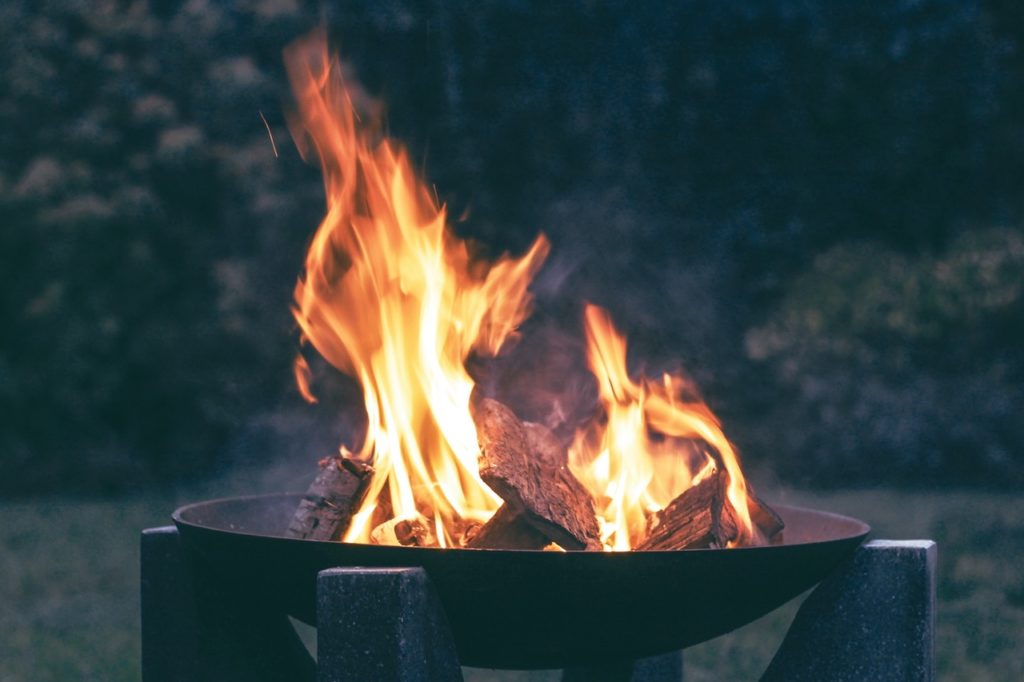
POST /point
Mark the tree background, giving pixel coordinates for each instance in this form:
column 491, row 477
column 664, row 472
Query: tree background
column 815, row 209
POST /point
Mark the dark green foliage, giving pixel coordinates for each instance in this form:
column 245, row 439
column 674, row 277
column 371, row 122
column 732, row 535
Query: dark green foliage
column 904, row 367
column 144, row 242
column 687, row 160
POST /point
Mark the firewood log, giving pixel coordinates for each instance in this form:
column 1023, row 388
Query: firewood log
column 544, row 445
column 507, row 529
column 327, row 507
column 694, row 519
column 548, row 497
column 764, row 517
column 767, row 524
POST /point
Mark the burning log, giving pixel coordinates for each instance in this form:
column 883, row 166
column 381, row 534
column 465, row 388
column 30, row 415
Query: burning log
column 507, row 529
column 414, row 532
column 767, row 524
column 327, row 507
column 764, row 517
column 693, row 519
column 544, row 445
column 547, row 496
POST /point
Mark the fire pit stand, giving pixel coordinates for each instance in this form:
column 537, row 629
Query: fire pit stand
column 871, row 620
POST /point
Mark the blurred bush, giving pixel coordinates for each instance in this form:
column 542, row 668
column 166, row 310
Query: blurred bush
column 144, row 242
column 900, row 367
column 687, row 161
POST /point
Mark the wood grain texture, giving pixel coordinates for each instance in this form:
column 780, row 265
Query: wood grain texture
column 549, row 497
column 694, row 519
column 327, row 507
column 507, row 529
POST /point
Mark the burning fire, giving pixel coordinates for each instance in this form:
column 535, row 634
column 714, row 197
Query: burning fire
column 636, row 462
column 395, row 300
column 391, row 297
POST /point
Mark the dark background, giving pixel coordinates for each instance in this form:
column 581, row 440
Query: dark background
column 812, row 207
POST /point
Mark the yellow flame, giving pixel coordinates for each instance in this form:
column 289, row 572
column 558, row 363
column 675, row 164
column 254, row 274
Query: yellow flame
column 642, row 456
column 391, row 297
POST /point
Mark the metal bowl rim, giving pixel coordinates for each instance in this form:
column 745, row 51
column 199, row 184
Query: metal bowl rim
column 179, row 516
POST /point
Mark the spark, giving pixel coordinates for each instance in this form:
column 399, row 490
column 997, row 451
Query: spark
column 273, row 145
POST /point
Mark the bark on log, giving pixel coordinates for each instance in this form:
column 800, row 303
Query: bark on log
column 764, row 517
column 767, row 524
column 507, row 529
column 549, row 497
column 545, row 445
column 327, row 507
column 694, row 519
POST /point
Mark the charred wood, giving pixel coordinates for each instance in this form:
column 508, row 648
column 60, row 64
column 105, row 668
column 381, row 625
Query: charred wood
column 547, row 496
column 327, row 507
column 544, row 445
column 766, row 524
column 764, row 517
column 694, row 519
column 507, row 529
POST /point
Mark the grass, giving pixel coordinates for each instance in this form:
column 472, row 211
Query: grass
column 69, row 586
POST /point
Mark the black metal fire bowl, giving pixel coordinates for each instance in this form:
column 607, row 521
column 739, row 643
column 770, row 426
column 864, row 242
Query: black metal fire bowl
column 534, row 609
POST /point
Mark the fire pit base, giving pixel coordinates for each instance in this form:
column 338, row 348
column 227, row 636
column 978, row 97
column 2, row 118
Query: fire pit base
column 532, row 610
column 872, row 619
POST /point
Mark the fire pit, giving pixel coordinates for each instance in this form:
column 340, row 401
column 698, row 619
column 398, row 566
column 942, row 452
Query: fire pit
column 550, row 544
column 618, row 532
column 392, row 297
column 535, row 609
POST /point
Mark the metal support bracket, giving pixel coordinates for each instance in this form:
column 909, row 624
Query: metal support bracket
column 382, row 624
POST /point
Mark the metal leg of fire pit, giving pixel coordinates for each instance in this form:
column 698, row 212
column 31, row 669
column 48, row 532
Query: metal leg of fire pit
column 196, row 626
column 874, row 619
column 387, row 625
column 382, row 624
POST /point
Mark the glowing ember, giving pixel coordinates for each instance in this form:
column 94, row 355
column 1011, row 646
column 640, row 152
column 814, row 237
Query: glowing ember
column 391, row 297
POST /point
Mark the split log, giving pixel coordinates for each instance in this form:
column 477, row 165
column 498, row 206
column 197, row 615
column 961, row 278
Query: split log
column 694, row 519
column 548, row 497
column 764, row 517
column 414, row 532
column 327, row 507
column 507, row 529
column 766, row 524
column 544, row 445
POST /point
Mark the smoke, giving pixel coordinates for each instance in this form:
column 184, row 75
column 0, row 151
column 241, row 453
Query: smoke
column 666, row 300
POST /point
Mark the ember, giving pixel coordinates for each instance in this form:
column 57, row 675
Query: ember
column 393, row 298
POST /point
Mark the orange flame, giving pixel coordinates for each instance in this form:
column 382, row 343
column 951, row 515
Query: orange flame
column 391, row 297
column 637, row 461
